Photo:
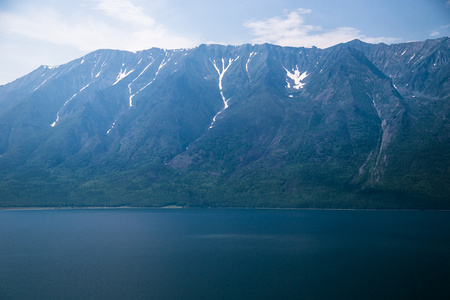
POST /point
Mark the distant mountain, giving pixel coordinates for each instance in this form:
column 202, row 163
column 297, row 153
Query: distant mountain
column 356, row 125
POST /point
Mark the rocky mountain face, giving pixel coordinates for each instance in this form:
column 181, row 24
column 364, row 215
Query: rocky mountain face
column 354, row 125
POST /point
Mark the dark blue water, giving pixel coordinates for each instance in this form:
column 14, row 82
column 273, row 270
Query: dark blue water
column 224, row 254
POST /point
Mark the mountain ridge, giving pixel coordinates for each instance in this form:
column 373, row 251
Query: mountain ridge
column 354, row 125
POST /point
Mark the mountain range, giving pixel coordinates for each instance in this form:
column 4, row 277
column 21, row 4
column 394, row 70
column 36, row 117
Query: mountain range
column 356, row 125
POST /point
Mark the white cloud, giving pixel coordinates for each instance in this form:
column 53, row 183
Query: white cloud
column 125, row 11
column 107, row 24
column 441, row 31
column 293, row 31
column 434, row 33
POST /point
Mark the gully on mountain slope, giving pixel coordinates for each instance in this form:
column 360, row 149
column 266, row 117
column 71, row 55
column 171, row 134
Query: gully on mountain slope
column 221, row 74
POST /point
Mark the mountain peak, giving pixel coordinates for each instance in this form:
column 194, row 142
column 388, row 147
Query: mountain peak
column 215, row 125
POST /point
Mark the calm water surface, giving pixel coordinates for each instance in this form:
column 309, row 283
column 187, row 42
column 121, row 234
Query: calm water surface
column 224, row 254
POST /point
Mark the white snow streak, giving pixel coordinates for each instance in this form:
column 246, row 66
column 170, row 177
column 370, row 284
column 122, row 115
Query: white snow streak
column 411, row 57
column 65, row 103
column 248, row 61
column 82, row 62
column 221, row 74
column 403, row 53
column 297, row 77
column 122, row 75
column 384, row 133
column 109, row 130
column 419, row 59
column 74, row 95
column 92, row 71
column 56, row 121
column 44, row 82
column 130, row 100
column 163, row 63
column 101, row 69
column 129, row 85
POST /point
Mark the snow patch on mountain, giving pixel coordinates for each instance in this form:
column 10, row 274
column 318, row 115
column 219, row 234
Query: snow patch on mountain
column 95, row 65
column 248, row 61
column 111, row 128
column 130, row 100
column 221, row 74
column 65, row 103
column 297, row 77
column 122, row 74
column 163, row 63
column 44, row 82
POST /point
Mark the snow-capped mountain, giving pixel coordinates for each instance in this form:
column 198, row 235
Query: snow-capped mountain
column 253, row 125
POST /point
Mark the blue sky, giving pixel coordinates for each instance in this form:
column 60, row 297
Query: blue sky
column 50, row 32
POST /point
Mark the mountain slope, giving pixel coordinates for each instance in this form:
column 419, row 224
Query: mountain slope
column 355, row 125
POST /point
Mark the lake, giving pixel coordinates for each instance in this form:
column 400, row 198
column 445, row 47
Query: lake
column 224, row 254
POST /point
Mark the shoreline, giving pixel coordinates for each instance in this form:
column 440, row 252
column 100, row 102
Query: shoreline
column 175, row 207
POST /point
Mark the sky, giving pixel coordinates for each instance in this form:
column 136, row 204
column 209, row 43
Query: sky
column 51, row 32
